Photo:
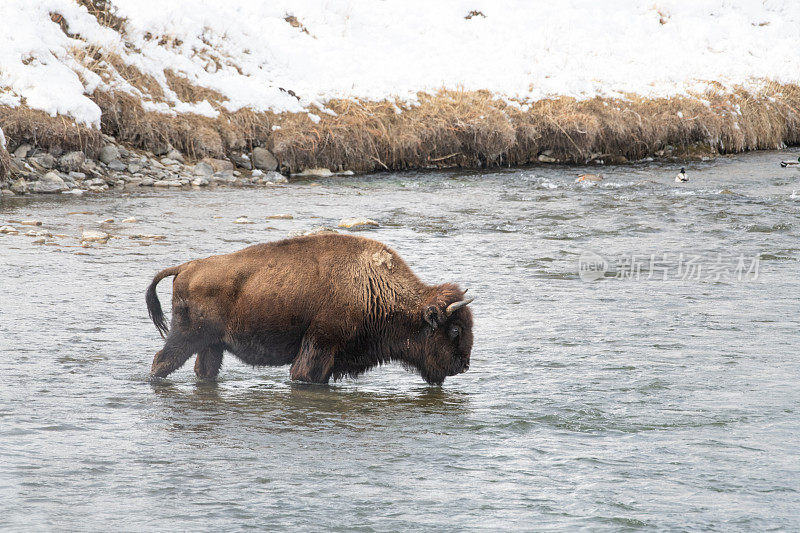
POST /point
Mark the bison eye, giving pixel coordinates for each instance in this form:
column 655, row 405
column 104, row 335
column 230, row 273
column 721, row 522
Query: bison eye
column 454, row 332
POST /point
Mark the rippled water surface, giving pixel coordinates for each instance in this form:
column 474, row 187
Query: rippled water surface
column 668, row 404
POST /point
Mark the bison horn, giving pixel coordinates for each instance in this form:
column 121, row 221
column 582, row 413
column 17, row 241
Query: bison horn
column 455, row 306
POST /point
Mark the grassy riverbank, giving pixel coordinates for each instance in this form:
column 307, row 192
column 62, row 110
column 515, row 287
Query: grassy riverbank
column 470, row 129
column 368, row 86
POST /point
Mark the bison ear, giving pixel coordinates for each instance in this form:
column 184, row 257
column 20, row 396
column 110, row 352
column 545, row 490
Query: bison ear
column 432, row 315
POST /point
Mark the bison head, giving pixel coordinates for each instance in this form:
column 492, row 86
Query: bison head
column 447, row 334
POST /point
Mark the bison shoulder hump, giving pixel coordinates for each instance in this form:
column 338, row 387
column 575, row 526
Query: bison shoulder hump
column 382, row 258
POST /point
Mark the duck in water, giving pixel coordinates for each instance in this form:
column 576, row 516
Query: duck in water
column 790, row 163
column 681, row 177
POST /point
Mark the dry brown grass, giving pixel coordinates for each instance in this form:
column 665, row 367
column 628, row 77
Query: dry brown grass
column 473, row 129
column 189, row 92
column 195, row 135
column 105, row 13
column 470, row 129
column 23, row 125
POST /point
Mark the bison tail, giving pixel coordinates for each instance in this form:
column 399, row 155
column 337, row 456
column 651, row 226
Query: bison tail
column 153, row 305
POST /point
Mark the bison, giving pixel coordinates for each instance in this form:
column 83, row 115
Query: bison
column 330, row 305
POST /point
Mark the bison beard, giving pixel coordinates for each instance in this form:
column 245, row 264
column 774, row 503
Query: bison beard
column 329, row 305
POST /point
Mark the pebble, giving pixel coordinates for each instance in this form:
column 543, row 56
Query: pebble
column 23, row 151
column 280, row 216
column 9, row 230
column 20, row 186
column 315, row 173
column 147, row 236
column 316, row 230
column 203, row 169
column 200, row 181
column 175, row 156
column 71, row 161
column 49, row 183
column 44, row 160
column 74, row 192
column 243, row 220
column 109, row 153
column 263, row 159
column 273, row 177
column 34, row 233
column 31, row 222
column 357, row 222
column 166, row 183
column 106, row 221
column 117, row 166
column 218, row 165
column 130, row 220
column 94, row 236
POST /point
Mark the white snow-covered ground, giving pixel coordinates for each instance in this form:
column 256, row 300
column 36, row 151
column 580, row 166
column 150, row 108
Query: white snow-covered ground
column 371, row 49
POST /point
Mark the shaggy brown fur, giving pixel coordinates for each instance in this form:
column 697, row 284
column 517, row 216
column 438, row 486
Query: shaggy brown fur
column 329, row 305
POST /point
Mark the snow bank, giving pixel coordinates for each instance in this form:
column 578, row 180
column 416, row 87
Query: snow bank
column 254, row 53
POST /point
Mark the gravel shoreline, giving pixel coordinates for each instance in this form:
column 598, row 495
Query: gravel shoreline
column 37, row 171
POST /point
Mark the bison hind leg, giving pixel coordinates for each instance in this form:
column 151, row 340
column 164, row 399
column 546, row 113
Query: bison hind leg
column 313, row 363
column 208, row 363
column 177, row 349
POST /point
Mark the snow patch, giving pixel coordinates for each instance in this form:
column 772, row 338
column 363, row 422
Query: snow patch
column 249, row 53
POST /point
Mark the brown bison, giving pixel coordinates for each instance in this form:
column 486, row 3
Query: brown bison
column 330, row 305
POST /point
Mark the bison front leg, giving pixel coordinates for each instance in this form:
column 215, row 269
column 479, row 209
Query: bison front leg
column 171, row 357
column 208, row 363
column 313, row 363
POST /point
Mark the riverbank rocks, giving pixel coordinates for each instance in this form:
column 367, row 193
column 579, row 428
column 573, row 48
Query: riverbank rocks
column 203, row 169
column 242, row 161
column 71, row 161
column 357, row 223
column 95, row 236
column 53, row 171
column 176, row 156
column 50, row 183
column 167, row 183
column 23, row 151
column 218, row 165
column 19, row 186
column 271, row 178
column 43, row 160
column 117, row 166
column 314, row 173
column 316, row 230
column 264, row 160
column 109, row 153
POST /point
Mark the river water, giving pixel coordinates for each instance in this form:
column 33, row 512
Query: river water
column 661, row 396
